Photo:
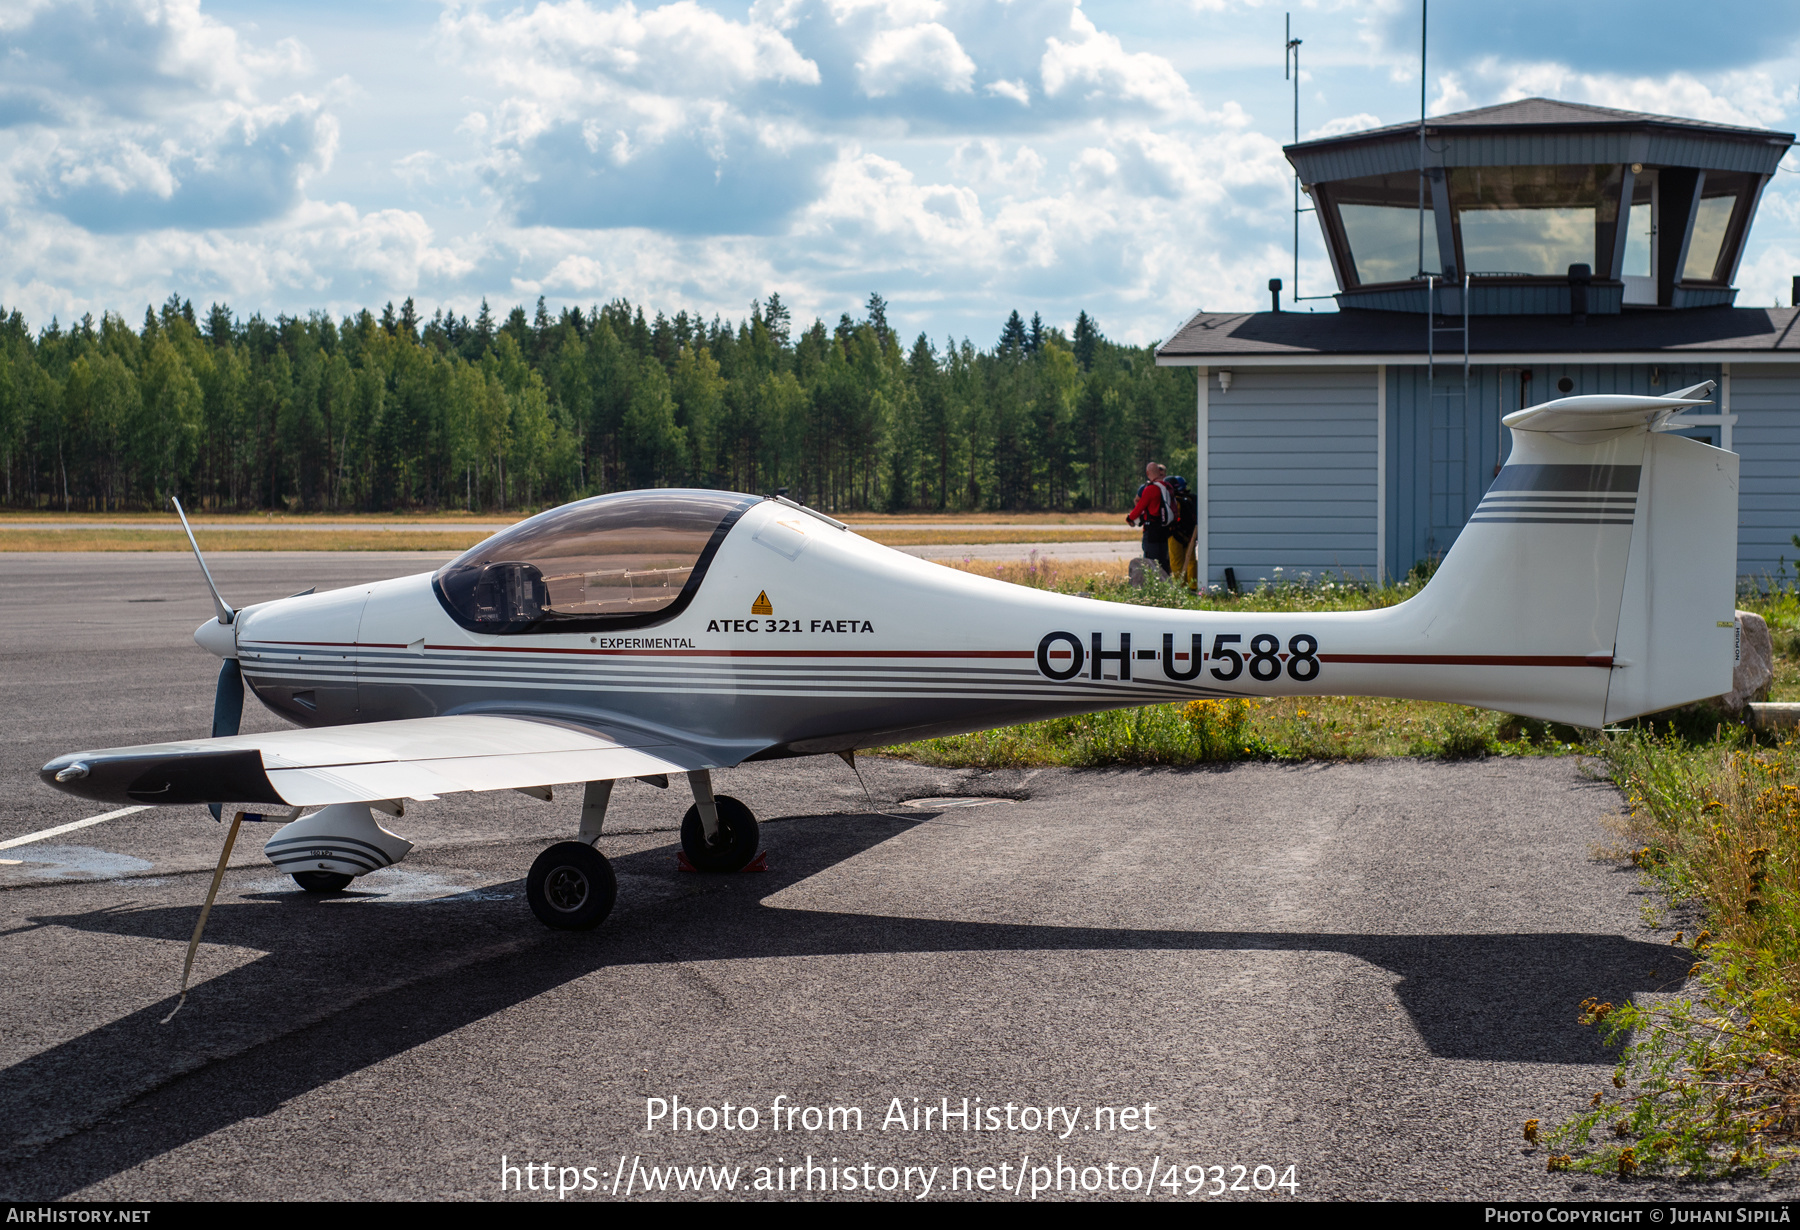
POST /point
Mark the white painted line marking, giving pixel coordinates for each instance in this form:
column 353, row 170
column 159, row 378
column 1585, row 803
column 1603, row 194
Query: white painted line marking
column 70, row 828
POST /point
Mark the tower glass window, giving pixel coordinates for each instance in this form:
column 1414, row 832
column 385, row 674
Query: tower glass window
column 1721, row 200
column 1379, row 218
column 1535, row 221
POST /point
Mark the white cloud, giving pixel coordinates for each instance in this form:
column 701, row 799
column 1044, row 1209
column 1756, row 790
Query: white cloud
column 1097, row 65
column 1140, row 220
column 129, row 115
column 1452, row 97
column 924, row 55
column 621, row 117
column 984, row 164
column 1018, row 91
column 1750, row 97
column 329, row 257
column 1342, row 124
column 963, row 159
column 565, row 56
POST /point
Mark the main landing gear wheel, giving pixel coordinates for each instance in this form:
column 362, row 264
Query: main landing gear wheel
column 571, row 887
column 322, row 881
column 734, row 845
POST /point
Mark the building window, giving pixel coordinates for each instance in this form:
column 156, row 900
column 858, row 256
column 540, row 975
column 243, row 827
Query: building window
column 1378, row 216
column 1535, row 221
column 1709, row 245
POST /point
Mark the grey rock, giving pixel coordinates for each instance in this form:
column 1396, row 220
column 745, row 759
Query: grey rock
column 1141, row 567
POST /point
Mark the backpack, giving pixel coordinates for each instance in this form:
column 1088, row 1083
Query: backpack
column 1183, row 511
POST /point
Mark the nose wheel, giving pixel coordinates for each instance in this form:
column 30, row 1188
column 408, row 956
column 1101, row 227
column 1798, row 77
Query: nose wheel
column 734, row 844
column 571, row 887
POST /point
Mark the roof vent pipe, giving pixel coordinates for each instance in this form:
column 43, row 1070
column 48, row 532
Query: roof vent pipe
column 1579, row 277
column 1794, row 294
column 1275, row 294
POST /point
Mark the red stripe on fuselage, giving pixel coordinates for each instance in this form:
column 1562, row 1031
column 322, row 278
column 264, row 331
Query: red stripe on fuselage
column 1427, row 659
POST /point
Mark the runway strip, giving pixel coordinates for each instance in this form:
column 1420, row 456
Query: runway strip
column 60, row 829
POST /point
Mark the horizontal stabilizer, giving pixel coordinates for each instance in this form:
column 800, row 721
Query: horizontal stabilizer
column 1604, row 411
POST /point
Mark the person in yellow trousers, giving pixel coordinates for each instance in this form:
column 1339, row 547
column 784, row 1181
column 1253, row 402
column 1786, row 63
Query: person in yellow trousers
column 1183, row 539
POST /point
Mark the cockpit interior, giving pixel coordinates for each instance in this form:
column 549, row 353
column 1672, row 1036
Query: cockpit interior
column 613, row 561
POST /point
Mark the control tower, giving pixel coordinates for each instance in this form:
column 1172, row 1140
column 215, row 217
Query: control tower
column 1485, row 261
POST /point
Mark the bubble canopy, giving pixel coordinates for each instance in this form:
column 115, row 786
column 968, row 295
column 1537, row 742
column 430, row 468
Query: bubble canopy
column 614, row 561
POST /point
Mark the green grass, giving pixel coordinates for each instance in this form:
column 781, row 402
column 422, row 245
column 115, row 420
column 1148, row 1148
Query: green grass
column 1213, row 731
column 1708, row 1080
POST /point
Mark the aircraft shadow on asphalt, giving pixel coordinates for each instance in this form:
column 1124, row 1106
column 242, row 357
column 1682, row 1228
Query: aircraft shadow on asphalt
column 343, row 987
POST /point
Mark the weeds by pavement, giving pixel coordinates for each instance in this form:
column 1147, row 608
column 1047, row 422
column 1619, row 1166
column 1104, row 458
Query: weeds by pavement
column 1708, row 1075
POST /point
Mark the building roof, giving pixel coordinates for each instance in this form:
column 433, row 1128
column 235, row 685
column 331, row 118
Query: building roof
column 1546, row 113
column 1538, row 132
column 1360, row 336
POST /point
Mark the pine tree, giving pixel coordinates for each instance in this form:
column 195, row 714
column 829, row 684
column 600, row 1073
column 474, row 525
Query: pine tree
column 778, row 320
column 1087, row 340
column 409, row 320
column 1035, row 342
column 540, row 331
column 218, row 325
column 1012, row 337
column 878, row 317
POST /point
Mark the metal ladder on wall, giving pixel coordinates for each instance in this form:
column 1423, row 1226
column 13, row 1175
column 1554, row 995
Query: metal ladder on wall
column 1449, row 409
column 1432, row 286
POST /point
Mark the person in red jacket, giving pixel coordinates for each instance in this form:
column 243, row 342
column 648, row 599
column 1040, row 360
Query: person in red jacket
column 1154, row 504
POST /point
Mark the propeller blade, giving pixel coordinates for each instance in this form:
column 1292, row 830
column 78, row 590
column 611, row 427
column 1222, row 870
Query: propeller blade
column 228, row 707
column 226, row 614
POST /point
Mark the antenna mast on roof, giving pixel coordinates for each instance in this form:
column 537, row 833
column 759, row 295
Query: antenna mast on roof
column 1424, row 17
column 1290, row 71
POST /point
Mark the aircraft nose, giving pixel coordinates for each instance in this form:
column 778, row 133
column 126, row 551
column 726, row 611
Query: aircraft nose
column 216, row 638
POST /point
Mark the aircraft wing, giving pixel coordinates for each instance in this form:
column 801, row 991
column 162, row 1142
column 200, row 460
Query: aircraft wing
column 418, row 758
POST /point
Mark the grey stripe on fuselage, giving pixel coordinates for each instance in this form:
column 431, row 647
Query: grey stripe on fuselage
column 1550, row 520
column 1567, row 478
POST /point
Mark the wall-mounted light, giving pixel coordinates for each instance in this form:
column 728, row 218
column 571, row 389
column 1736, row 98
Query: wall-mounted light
column 1224, row 381
column 1637, row 168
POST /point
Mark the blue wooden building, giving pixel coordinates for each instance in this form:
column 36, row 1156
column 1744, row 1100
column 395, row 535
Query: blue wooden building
column 1561, row 249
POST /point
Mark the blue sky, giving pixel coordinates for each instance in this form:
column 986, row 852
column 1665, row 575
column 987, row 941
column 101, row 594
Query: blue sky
column 963, row 159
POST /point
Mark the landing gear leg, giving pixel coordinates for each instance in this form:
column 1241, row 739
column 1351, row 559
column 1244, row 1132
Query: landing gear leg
column 593, row 810
column 571, row 886
column 718, row 833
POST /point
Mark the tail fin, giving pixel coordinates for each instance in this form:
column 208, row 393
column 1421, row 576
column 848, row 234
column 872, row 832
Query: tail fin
column 1605, row 547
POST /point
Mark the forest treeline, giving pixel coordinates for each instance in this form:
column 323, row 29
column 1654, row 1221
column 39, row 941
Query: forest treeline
column 395, row 411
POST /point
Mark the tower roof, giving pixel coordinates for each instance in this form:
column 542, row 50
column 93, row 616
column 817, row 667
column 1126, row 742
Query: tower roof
column 1544, row 115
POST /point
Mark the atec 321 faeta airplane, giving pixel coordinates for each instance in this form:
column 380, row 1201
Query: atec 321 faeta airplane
column 653, row 633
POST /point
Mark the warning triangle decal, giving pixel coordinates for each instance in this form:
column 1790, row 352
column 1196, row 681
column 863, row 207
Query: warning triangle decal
column 761, row 605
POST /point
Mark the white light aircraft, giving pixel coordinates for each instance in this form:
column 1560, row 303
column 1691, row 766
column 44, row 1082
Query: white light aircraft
column 653, row 633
